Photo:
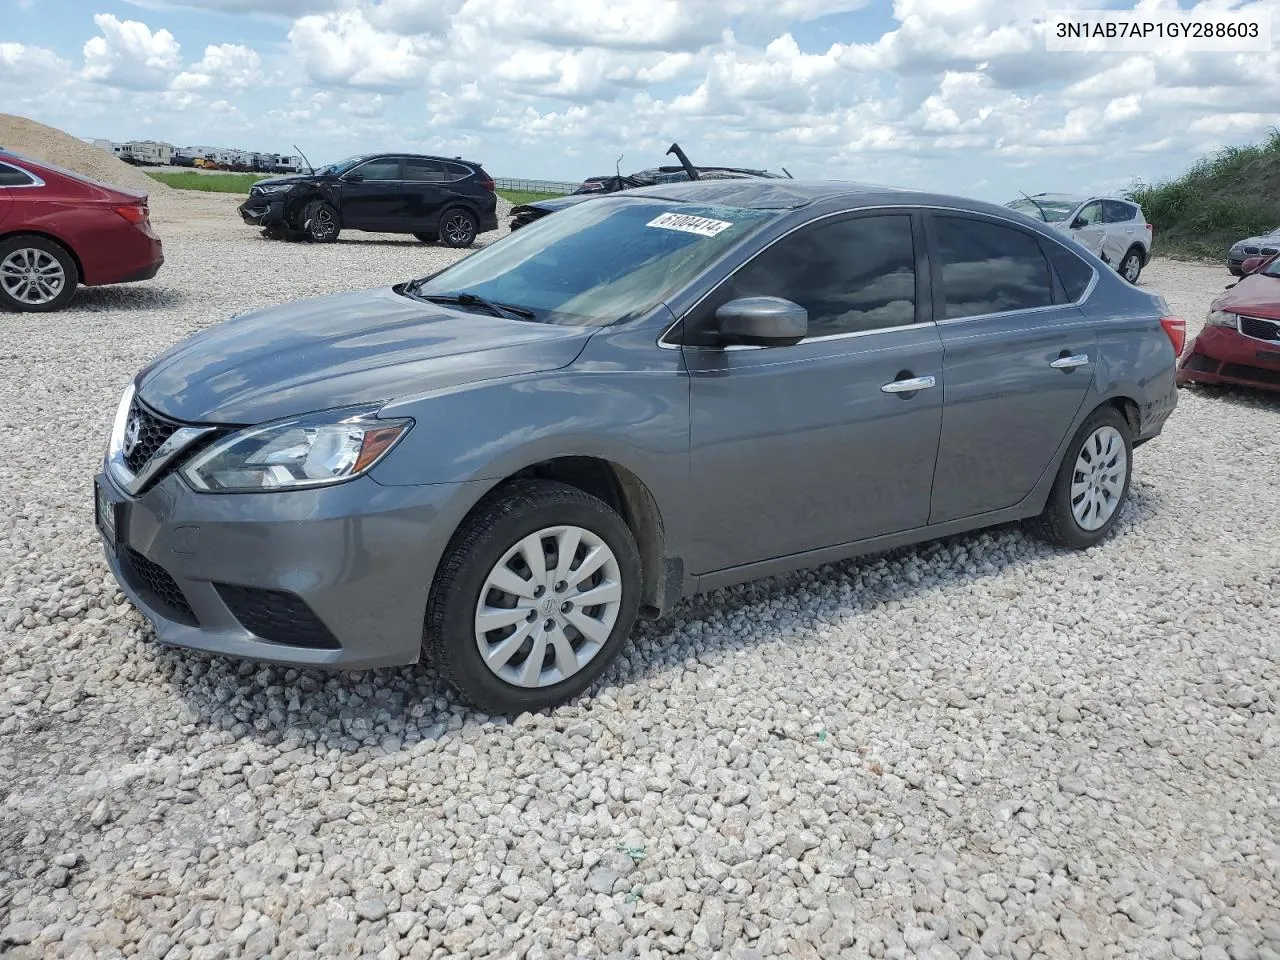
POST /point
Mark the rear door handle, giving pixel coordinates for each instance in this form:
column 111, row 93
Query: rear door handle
column 909, row 386
column 1070, row 363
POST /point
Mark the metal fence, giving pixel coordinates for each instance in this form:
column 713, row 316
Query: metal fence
column 535, row 186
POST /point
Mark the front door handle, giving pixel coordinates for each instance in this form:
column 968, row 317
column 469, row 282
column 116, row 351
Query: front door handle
column 1070, row 363
column 909, row 386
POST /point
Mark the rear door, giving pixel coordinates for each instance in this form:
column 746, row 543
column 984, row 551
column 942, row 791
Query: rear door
column 375, row 198
column 1122, row 229
column 1018, row 359
column 10, row 177
column 424, row 182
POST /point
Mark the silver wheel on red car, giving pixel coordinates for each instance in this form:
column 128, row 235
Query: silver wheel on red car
column 36, row 275
column 548, row 606
column 1100, row 478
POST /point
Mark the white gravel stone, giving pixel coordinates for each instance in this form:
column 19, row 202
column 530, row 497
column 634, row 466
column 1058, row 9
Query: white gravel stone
column 981, row 747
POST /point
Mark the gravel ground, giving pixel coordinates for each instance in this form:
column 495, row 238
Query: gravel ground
column 984, row 747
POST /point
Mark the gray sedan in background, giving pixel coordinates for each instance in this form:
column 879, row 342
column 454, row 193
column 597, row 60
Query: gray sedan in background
column 642, row 397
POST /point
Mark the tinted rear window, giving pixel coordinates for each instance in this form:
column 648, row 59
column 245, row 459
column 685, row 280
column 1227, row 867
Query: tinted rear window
column 1074, row 273
column 13, row 177
column 1118, row 212
column 990, row 268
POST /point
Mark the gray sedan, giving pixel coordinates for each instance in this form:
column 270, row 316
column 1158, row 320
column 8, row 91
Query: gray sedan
column 1263, row 245
column 641, row 397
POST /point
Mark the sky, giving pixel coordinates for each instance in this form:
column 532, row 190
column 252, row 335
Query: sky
column 956, row 96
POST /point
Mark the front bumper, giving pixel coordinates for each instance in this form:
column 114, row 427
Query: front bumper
column 335, row 577
column 1222, row 355
column 262, row 211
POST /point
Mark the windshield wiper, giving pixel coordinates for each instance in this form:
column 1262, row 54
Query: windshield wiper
column 475, row 300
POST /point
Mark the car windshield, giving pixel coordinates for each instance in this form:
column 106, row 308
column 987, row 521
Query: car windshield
column 1050, row 211
column 342, row 166
column 600, row 261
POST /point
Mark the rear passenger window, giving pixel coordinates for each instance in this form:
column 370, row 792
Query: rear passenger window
column 456, row 171
column 1074, row 273
column 13, row 177
column 851, row 275
column 1114, row 211
column 989, row 268
column 424, row 170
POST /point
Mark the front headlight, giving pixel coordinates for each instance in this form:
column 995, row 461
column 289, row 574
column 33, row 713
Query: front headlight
column 115, row 442
column 272, row 187
column 1220, row 318
column 311, row 451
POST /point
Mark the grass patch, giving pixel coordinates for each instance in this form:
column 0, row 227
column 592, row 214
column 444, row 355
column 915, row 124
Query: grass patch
column 207, row 182
column 1223, row 198
column 517, row 197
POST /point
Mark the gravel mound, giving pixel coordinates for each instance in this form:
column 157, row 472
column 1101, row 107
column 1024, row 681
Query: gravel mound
column 982, row 747
column 36, row 140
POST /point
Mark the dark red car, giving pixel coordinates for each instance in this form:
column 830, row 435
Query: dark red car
column 59, row 230
column 1240, row 342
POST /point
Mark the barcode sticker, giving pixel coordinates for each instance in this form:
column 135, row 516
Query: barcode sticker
column 685, row 223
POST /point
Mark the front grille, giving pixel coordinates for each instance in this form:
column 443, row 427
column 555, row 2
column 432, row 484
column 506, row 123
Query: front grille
column 153, row 431
column 160, row 590
column 1260, row 329
column 1243, row 371
column 277, row 616
column 1250, row 250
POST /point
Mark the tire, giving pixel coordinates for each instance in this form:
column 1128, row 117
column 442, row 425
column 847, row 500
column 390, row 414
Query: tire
column 458, row 227
column 490, row 544
column 320, row 222
column 1061, row 522
column 37, row 275
column 1131, row 265
column 427, row 237
column 1235, row 271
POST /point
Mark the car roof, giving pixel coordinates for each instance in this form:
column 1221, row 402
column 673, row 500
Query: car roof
column 760, row 194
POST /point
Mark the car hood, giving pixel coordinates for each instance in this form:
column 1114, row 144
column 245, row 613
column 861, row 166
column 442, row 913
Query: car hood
column 552, row 204
column 1265, row 238
column 293, row 179
column 351, row 348
column 1255, row 295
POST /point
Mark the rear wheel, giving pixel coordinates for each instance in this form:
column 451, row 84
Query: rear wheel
column 320, row 222
column 1092, row 483
column 535, row 596
column 1131, row 265
column 37, row 275
column 458, row 228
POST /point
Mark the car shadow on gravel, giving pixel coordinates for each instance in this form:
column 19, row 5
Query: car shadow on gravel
column 396, row 707
column 125, row 297
column 1241, row 395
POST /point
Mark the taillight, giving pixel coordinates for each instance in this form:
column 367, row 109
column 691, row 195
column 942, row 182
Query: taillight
column 487, row 185
column 135, row 214
column 1150, row 229
column 1175, row 329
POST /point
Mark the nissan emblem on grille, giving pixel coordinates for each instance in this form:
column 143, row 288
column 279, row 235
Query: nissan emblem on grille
column 131, row 434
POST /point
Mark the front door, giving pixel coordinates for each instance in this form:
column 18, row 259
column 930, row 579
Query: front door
column 795, row 448
column 373, row 195
column 1018, row 360
column 1091, row 231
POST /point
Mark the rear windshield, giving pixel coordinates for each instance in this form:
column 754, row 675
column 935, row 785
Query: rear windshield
column 599, row 261
column 1050, row 211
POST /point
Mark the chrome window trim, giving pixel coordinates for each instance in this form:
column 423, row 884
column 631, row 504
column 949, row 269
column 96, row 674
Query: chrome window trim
column 36, row 181
column 926, row 208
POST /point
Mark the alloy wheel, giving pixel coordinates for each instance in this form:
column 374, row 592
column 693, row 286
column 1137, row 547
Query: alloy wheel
column 32, row 276
column 1131, row 268
column 324, row 225
column 1098, row 482
column 459, row 229
column 548, row 606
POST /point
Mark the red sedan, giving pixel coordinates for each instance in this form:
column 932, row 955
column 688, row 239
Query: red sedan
column 1240, row 342
column 59, row 230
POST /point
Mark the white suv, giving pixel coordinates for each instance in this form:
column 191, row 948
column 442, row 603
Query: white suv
column 1111, row 228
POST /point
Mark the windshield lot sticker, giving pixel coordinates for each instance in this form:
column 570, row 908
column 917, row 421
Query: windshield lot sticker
column 702, row 226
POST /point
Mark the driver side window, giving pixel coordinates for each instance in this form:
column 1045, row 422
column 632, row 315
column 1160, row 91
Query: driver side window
column 379, row 170
column 1091, row 215
column 851, row 275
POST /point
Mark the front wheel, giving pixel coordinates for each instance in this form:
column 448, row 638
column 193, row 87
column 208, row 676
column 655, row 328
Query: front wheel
column 320, row 222
column 458, row 228
column 536, row 594
column 37, row 275
column 1131, row 265
column 1092, row 483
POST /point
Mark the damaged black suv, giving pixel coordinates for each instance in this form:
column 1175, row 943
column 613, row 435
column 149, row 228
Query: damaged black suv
column 434, row 198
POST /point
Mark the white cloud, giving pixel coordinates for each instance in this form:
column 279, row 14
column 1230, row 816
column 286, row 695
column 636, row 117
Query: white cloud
column 228, row 66
column 129, row 55
column 20, row 63
column 344, row 49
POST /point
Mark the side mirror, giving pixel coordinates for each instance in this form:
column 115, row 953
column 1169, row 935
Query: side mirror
column 353, row 177
column 1252, row 265
column 762, row 321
